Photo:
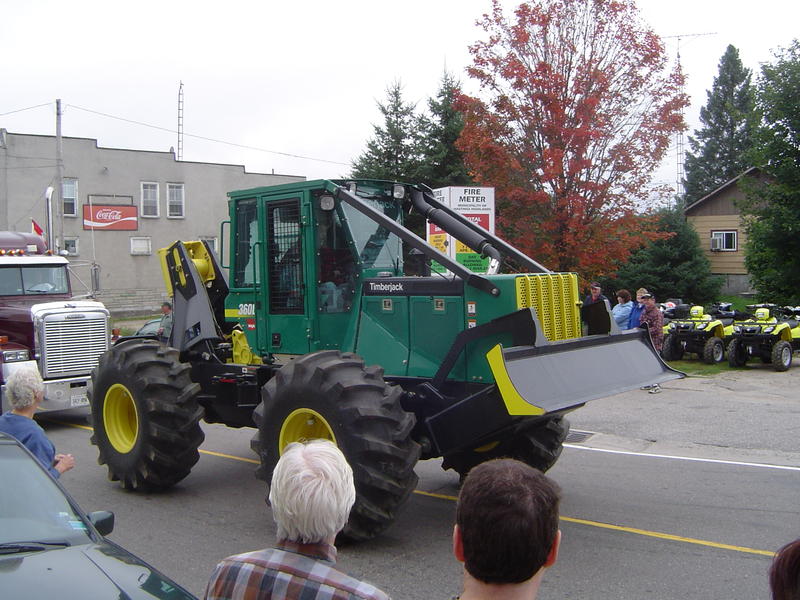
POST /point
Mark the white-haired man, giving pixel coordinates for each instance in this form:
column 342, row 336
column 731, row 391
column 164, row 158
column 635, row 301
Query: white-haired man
column 25, row 391
column 311, row 495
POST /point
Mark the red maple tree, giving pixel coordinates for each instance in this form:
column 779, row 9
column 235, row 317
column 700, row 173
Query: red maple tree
column 576, row 112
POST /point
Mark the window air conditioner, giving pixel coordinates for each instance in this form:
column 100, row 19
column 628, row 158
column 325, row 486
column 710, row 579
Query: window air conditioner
column 716, row 244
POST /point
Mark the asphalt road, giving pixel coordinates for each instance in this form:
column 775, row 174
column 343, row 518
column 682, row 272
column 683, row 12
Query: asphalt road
column 638, row 520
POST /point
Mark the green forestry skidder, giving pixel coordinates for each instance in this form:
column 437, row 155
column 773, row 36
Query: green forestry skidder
column 464, row 366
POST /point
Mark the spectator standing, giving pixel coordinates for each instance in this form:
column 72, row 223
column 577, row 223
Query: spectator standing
column 595, row 294
column 654, row 320
column 635, row 318
column 784, row 574
column 622, row 309
column 311, row 495
column 25, row 391
column 506, row 531
column 165, row 326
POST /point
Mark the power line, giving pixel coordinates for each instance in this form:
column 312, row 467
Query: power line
column 11, row 112
column 208, row 139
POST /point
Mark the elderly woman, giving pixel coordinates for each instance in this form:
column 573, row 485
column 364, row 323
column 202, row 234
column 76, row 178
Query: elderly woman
column 25, row 392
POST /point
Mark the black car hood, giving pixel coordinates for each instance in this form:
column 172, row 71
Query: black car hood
column 101, row 571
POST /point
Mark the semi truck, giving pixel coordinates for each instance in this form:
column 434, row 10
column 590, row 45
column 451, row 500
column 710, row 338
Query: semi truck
column 42, row 324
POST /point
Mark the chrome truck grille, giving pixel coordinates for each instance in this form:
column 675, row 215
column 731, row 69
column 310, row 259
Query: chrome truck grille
column 72, row 346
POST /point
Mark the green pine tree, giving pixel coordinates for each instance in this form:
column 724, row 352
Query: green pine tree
column 670, row 268
column 442, row 164
column 393, row 152
column 719, row 148
column 772, row 252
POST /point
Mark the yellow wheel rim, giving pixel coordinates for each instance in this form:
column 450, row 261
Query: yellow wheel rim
column 304, row 424
column 120, row 418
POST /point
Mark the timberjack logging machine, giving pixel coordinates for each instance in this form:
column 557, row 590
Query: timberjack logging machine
column 471, row 366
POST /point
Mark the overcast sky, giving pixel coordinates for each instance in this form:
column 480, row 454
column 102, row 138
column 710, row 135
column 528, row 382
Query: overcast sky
column 299, row 78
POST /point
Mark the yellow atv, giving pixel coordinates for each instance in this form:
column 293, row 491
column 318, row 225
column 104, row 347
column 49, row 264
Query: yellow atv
column 698, row 333
column 773, row 334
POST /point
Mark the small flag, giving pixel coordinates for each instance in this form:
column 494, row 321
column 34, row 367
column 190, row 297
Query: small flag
column 36, row 229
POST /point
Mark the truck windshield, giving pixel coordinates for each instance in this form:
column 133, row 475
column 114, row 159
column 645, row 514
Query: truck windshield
column 34, row 280
column 377, row 247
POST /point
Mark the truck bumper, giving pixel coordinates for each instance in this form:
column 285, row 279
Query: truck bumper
column 59, row 394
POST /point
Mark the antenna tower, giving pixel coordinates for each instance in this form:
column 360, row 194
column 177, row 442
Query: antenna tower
column 180, row 121
column 679, row 153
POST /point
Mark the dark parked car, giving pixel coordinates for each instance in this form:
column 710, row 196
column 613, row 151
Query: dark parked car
column 149, row 328
column 50, row 548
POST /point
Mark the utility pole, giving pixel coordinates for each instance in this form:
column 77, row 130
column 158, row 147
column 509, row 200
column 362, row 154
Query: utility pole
column 679, row 152
column 59, row 211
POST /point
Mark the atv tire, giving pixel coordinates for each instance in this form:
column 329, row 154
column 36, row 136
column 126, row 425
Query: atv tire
column 737, row 353
column 145, row 415
column 331, row 395
column 671, row 348
column 782, row 356
column 537, row 442
column 713, row 351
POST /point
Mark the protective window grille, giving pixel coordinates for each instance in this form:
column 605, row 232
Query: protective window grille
column 285, row 258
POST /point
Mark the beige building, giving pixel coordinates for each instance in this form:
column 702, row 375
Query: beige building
column 719, row 224
column 119, row 207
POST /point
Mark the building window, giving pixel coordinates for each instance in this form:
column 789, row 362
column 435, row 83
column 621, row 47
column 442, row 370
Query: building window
column 69, row 195
column 71, row 246
column 140, row 246
column 724, row 241
column 149, row 199
column 175, row 200
column 211, row 241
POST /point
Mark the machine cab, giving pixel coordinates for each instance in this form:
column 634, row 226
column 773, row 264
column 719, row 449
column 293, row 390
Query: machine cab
column 298, row 261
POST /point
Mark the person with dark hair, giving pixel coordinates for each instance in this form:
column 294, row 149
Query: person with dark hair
column 165, row 326
column 506, row 531
column 622, row 309
column 595, row 294
column 784, row 574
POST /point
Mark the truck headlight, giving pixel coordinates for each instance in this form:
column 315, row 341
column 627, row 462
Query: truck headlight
column 14, row 355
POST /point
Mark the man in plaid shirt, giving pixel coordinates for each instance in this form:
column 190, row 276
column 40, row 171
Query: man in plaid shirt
column 311, row 495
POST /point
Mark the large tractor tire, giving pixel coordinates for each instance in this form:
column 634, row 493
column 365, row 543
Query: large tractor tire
column 737, row 353
column 535, row 442
column 671, row 348
column 333, row 396
column 145, row 415
column 713, row 351
column 782, row 356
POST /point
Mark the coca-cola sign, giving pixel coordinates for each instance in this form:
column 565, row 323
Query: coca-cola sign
column 108, row 217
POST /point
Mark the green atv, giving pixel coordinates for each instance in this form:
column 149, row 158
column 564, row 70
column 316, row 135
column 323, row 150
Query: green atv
column 773, row 334
column 698, row 333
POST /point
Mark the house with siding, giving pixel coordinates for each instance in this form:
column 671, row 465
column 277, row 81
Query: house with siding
column 718, row 222
column 117, row 207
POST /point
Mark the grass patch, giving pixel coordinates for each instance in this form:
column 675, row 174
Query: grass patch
column 739, row 302
column 699, row 368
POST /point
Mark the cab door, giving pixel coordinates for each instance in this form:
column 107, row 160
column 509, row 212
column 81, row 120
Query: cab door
column 289, row 329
